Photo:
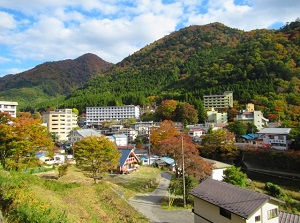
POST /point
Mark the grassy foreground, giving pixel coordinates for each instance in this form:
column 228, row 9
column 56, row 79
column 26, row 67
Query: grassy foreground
column 73, row 197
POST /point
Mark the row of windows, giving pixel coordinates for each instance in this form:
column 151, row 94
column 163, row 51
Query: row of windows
column 61, row 116
column 61, row 129
column 110, row 109
column 110, row 115
column 8, row 106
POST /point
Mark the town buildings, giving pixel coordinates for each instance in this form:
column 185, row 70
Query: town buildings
column 9, row 107
column 219, row 101
column 251, row 116
column 96, row 115
column 213, row 116
column 60, row 122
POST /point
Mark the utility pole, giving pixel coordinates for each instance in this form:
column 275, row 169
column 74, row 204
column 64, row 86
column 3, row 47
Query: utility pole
column 183, row 177
column 149, row 153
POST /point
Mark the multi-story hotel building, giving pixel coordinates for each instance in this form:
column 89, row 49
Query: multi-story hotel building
column 96, row 115
column 219, row 101
column 252, row 116
column 60, row 122
column 9, row 107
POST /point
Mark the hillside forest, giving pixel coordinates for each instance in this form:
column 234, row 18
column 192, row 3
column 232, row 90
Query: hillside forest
column 260, row 66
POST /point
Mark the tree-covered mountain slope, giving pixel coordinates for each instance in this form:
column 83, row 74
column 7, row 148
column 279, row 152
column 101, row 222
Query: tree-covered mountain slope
column 51, row 79
column 199, row 60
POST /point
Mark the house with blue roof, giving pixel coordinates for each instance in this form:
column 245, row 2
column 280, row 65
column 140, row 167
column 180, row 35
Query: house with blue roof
column 129, row 161
column 165, row 162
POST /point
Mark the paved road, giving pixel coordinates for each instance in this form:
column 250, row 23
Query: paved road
column 147, row 204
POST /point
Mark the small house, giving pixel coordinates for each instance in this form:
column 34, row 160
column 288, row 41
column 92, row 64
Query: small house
column 77, row 135
column 218, row 202
column 217, row 169
column 128, row 161
column 275, row 137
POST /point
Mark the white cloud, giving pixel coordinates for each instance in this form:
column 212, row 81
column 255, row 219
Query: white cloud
column 4, row 60
column 7, row 21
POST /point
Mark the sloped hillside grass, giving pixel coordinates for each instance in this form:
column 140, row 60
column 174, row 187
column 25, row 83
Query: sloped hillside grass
column 144, row 180
column 72, row 198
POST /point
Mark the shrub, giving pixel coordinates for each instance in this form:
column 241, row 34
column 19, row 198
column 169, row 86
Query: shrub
column 275, row 191
column 62, row 170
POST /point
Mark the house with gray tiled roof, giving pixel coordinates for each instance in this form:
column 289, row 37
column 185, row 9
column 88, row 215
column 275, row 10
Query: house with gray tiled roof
column 220, row 202
column 275, row 137
column 79, row 134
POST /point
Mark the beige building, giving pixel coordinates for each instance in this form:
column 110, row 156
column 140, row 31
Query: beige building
column 9, row 107
column 213, row 116
column 219, row 101
column 60, row 122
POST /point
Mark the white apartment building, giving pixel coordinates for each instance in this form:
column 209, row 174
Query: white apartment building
column 276, row 137
column 9, row 107
column 214, row 116
column 60, row 122
column 219, row 101
column 96, row 115
column 252, row 116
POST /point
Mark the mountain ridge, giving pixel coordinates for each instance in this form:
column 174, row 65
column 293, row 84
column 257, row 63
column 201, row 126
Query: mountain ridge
column 199, row 60
column 52, row 79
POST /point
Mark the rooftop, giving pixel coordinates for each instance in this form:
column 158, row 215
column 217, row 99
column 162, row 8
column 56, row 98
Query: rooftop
column 238, row 200
column 275, row 131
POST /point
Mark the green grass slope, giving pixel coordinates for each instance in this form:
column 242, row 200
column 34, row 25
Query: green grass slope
column 72, row 198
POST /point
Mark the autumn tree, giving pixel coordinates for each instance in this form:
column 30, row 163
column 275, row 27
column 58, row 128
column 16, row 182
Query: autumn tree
column 166, row 110
column 219, row 145
column 231, row 114
column 96, row 155
column 188, row 161
column 6, row 137
column 186, row 112
column 166, row 129
column 179, row 145
column 29, row 138
column 20, row 139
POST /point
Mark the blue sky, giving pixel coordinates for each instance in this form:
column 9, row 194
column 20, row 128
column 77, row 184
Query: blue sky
column 36, row 31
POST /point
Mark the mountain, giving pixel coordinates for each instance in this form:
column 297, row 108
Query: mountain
column 260, row 66
column 51, row 79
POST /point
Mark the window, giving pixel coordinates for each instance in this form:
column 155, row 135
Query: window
column 272, row 213
column 225, row 213
column 257, row 218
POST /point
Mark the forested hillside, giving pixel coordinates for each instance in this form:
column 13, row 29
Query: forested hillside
column 51, row 80
column 259, row 66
